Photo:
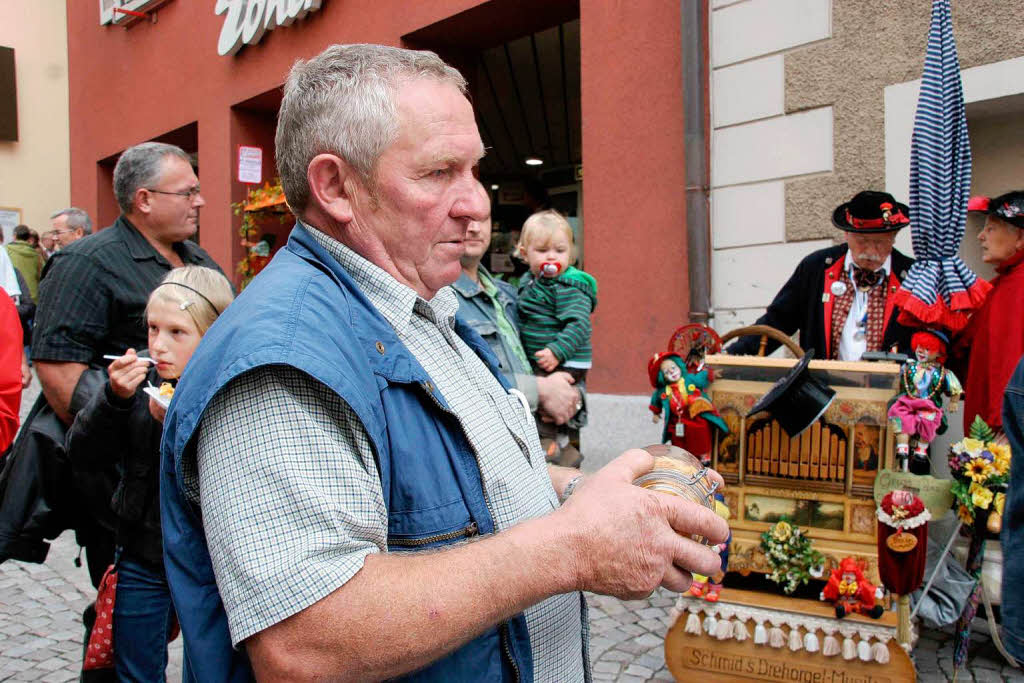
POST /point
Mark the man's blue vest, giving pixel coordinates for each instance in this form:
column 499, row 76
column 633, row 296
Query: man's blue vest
column 305, row 311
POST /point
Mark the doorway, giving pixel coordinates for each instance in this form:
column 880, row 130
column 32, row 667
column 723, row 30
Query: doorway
column 523, row 68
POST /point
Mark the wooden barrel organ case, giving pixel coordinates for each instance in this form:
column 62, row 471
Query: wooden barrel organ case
column 822, row 480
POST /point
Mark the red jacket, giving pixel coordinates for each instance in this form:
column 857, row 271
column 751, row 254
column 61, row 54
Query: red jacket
column 992, row 344
column 11, row 348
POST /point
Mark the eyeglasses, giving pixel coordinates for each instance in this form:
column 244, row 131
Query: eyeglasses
column 191, row 192
column 55, row 233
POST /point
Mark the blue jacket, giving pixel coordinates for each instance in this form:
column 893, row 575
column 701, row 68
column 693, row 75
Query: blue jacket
column 1013, row 517
column 476, row 309
column 305, row 311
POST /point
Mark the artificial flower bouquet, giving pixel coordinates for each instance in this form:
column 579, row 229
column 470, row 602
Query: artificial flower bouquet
column 981, row 470
column 789, row 553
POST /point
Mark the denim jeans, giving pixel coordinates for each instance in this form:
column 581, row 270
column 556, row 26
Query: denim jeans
column 1013, row 518
column 143, row 617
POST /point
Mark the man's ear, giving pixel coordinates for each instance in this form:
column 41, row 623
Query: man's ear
column 330, row 181
column 142, row 201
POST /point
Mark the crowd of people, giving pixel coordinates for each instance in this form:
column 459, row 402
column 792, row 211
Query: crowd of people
column 339, row 409
column 374, row 393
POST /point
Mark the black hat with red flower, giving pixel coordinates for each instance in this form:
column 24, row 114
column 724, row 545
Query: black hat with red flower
column 871, row 212
column 1008, row 207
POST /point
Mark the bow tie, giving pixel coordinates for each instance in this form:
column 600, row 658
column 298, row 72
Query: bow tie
column 866, row 279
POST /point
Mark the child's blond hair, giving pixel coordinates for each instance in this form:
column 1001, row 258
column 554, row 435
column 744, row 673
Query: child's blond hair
column 541, row 226
column 202, row 292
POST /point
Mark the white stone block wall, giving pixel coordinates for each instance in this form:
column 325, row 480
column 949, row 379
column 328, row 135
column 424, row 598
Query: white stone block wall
column 756, row 147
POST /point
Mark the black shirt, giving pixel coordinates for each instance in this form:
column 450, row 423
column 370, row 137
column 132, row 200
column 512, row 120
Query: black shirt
column 799, row 307
column 93, row 294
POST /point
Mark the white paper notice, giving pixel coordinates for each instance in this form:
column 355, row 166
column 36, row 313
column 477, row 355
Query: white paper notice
column 250, row 164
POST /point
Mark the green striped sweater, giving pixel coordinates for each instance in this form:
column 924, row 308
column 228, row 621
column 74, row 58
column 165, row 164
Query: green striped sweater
column 555, row 313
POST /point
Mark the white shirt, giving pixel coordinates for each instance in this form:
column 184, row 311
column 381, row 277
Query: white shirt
column 8, row 280
column 851, row 347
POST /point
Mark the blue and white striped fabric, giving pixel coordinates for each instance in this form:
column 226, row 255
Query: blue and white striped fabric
column 940, row 288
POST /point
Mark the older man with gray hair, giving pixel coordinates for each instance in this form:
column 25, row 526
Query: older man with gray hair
column 350, row 489
column 92, row 298
column 69, row 225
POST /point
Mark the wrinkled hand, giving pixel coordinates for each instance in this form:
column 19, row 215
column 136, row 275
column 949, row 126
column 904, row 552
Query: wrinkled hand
column 627, row 540
column 546, row 359
column 126, row 374
column 156, row 410
column 557, row 398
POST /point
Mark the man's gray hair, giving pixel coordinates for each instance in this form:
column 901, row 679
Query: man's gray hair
column 343, row 102
column 141, row 166
column 77, row 218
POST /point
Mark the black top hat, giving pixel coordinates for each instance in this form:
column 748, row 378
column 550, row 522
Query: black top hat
column 796, row 400
column 871, row 211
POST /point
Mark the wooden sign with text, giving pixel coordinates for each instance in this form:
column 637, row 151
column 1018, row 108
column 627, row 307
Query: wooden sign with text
column 936, row 494
column 706, row 659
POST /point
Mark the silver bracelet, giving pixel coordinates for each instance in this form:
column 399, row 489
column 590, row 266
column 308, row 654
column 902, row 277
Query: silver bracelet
column 569, row 488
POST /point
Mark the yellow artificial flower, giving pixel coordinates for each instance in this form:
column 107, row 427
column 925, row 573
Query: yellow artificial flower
column 998, row 449
column 782, row 532
column 1000, row 457
column 999, row 503
column 965, row 514
column 980, row 496
column 972, row 445
column 978, row 469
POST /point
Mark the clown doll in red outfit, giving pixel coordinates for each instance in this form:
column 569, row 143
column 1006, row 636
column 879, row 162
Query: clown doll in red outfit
column 850, row 592
column 679, row 395
column 917, row 410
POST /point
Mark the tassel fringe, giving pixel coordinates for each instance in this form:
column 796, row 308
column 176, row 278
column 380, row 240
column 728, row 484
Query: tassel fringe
column 795, row 641
column 849, row 648
column 724, row 630
column 853, row 642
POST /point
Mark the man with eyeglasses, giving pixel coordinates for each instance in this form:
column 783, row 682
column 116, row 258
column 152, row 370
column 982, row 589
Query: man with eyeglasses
column 67, row 226
column 92, row 300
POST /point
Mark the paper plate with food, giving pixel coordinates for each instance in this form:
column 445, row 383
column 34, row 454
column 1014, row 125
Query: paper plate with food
column 161, row 395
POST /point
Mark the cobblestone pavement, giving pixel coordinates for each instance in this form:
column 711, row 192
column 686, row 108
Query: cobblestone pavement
column 41, row 607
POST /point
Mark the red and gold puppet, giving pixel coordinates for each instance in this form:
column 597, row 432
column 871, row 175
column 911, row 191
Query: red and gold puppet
column 850, row 592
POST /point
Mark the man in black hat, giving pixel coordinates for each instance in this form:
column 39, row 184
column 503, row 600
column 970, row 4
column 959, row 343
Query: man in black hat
column 841, row 298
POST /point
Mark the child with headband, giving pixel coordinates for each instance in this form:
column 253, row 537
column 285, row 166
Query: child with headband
column 122, row 425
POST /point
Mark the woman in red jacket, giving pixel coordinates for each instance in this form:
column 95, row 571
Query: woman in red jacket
column 993, row 340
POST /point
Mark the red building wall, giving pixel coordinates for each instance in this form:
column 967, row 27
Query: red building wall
column 129, row 85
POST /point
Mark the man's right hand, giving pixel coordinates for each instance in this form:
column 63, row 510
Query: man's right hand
column 557, row 398
column 627, row 540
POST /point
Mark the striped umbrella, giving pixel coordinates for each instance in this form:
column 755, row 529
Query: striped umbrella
column 940, row 290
